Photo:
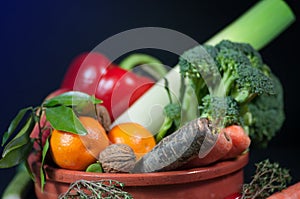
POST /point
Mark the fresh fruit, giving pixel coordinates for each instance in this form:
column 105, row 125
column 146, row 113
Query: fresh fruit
column 135, row 135
column 77, row 152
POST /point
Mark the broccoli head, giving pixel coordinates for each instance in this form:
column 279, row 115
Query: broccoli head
column 264, row 115
column 250, row 83
column 246, row 91
column 242, row 78
column 253, row 56
column 223, row 111
column 198, row 67
column 211, row 50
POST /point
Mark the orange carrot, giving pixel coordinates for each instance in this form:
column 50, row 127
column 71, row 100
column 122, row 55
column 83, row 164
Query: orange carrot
column 240, row 141
column 221, row 148
column 291, row 192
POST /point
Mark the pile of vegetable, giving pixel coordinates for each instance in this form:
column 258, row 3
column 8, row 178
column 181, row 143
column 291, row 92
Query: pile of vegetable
column 235, row 92
column 227, row 100
column 242, row 90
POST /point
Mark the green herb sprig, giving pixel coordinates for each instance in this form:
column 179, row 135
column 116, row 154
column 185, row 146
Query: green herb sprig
column 268, row 179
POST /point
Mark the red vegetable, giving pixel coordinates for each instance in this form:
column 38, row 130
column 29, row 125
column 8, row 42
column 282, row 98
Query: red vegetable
column 221, row 148
column 291, row 192
column 85, row 71
column 240, row 141
column 94, row 74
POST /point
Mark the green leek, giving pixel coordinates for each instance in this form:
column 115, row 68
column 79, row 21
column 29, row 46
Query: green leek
column 258, row 27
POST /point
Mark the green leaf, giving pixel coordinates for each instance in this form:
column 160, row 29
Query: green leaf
column 14, row 124
column 71, row 98
column 42, row 171
column 16, row 156
column 64, row 119
column 28, row 169
column 95, row 167
column 22, row 138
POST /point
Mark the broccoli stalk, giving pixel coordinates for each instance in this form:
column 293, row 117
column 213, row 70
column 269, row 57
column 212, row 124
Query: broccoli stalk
column 197, row 67
column 172, row 116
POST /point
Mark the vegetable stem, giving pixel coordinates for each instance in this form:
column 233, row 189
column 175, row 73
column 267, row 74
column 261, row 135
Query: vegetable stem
column 140, row 59
column 259, row 25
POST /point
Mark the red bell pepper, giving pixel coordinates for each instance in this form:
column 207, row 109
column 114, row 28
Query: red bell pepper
column 94, row 74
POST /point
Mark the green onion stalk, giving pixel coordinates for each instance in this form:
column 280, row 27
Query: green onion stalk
column 258, row 26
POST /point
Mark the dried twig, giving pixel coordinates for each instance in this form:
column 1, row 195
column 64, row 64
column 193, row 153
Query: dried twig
column 103, row 189
column 268, row 178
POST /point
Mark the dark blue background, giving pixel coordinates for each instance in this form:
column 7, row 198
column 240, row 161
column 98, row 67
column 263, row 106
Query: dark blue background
column 38, row 39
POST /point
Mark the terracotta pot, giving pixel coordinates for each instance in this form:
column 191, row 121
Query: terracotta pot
column 215, row 181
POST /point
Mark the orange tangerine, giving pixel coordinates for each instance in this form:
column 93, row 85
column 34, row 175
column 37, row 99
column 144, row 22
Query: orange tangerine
column 135, row 135
column 77, row 152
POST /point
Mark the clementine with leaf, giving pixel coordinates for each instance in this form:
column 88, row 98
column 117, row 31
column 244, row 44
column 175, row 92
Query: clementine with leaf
column 77, row 152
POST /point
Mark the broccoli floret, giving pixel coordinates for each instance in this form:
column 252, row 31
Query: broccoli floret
column 246, row 49
column 264, row 115
column 250, row 83
column 230, row 63
column 223, row 111
column 197, row 60
column 197, row 65
column 240, row 78
column 211, row 50
column 172, row 118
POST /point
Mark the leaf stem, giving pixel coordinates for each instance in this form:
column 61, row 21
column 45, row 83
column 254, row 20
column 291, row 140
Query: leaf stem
column 39, row 115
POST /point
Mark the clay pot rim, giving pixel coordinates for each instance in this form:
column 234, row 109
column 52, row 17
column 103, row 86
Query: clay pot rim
column 144, row 179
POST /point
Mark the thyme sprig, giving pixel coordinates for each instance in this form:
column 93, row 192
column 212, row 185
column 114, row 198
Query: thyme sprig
column 268, row 179
column 102, row 189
